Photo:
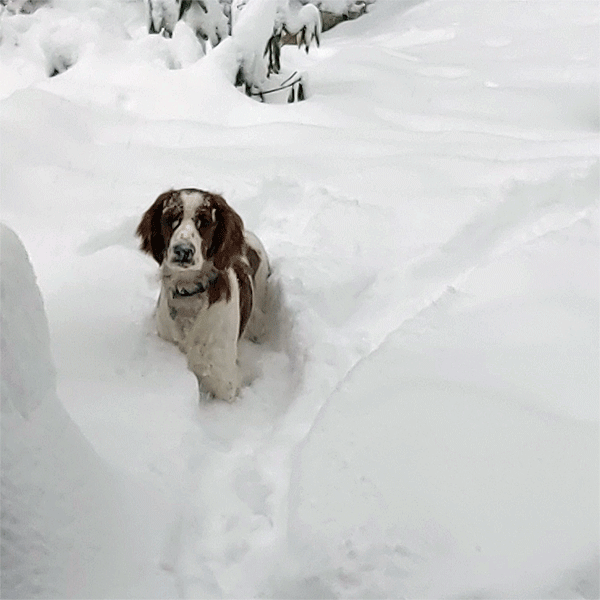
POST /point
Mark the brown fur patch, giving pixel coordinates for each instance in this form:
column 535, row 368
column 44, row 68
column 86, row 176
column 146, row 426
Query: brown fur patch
column 227, row 237
column 246, row 293
column 219, row 289
column 253, row 259
column 154, row 230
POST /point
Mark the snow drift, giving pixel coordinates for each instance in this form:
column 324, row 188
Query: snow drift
column 66, row 519
column 460, row 458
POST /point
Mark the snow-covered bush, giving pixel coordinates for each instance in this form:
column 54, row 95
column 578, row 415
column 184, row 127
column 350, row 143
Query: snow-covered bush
column 206, row 19
column 162, row 16
column 22, row 6
column 259, row 28
column 53, row 39
column 336, row 11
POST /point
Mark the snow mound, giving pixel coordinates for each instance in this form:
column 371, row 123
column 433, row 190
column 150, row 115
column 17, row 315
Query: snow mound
column 460, row 458
column 28, row 376
column 65, row 527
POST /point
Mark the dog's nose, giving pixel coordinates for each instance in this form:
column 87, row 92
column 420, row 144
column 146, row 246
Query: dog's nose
column 183, row 252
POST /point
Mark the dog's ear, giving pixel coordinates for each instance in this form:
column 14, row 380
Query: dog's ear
column 150, row 229
column 228, row 238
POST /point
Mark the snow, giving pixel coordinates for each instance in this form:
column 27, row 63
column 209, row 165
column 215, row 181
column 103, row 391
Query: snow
column 476, row 445
column 423, row 421
column 67, row 520
column 212, row 24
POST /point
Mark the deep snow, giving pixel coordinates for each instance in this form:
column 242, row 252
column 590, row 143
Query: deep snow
column 70, row 526
column 424, row 419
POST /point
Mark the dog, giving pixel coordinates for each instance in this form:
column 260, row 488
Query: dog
column 213, row 282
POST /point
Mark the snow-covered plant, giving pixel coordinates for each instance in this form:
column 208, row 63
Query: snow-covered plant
column 336, row 11
column 205, row 17
column 257, row 28
column 303, row 23
column 340, row 7
column 22, row 6
column 163, row 16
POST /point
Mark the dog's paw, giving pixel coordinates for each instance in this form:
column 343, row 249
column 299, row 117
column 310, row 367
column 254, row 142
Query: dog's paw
column 217, row 388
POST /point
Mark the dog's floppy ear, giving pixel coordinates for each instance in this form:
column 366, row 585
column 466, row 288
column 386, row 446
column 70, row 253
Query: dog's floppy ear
column 228, row 238
column 150, row 230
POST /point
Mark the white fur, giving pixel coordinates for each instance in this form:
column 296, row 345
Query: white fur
column 186, row 231
column 209, row 339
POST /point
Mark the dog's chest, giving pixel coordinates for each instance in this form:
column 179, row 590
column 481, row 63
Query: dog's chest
column 184, row 313
column 192, row 318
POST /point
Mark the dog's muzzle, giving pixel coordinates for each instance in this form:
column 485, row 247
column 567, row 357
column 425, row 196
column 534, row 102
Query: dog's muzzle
column 183, row 253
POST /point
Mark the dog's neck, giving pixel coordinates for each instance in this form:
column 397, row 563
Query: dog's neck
column 185, row 293
column 187, row 289
column 188, row 282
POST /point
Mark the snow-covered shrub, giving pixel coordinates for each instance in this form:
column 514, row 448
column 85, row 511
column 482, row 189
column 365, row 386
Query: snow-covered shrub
column 336, row 11
column 51, row 40
column 258, row 30
column 268, row 25
column 23, row 6
column 62, row 45
column 332, row 11
column 206, row 19
column 162, row 16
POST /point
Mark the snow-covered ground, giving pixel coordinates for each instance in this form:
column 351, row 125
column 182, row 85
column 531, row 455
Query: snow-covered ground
column 424, row 419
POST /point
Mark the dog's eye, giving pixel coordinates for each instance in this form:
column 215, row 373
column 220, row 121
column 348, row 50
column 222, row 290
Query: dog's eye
column 172, row 221
column 203, row 222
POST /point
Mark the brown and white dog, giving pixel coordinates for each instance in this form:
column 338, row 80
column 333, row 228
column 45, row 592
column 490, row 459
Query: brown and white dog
column 214, row 282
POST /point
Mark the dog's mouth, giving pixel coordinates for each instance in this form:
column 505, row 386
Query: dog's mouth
column 183, row 263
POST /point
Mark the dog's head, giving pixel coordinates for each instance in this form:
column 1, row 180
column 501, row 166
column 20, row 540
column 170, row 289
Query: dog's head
column 191, row 229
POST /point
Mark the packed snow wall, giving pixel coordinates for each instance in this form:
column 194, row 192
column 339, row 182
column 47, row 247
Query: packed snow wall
column 63, row 519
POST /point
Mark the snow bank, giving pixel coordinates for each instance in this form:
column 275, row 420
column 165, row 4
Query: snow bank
column 65, row 518
column 415, row 485
column 28, row 376
column 460, row 459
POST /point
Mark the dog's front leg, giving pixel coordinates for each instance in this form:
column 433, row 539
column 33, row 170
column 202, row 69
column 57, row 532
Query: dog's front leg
column 212, row 348
column 216, row 372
